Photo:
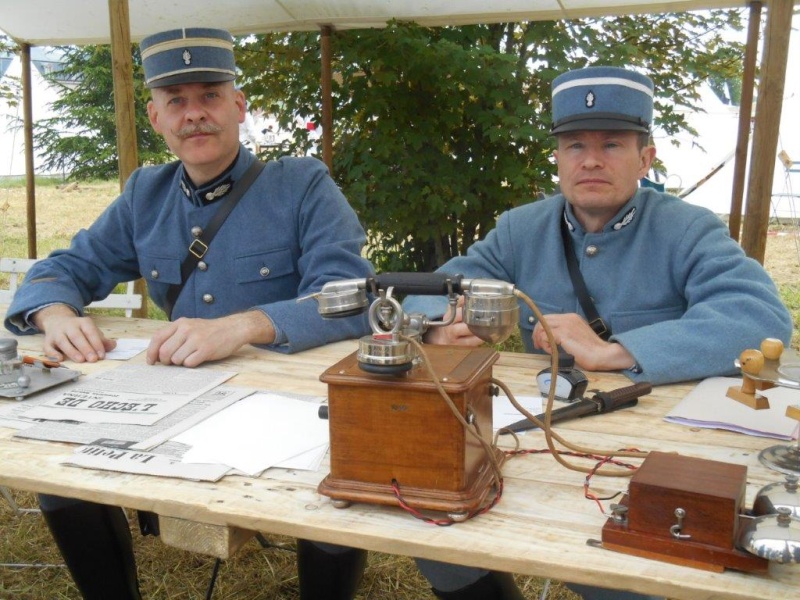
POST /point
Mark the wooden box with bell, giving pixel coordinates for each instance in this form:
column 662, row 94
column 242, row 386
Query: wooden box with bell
column 683, row 510
column 387, row 428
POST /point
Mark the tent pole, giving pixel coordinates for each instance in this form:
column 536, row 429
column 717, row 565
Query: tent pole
column 745, row 113
column 27, row 128
column 124, row 107
column 765, row 132
column 327, row 100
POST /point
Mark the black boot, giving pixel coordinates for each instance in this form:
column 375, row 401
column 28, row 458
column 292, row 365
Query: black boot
column 95, row 541
column 328, row 576
column 492, row 586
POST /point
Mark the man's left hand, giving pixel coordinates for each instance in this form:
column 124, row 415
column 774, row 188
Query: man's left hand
column 191, row 342
column 575, row 336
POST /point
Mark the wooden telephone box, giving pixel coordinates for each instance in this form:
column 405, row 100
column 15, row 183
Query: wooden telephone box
column 398, row 428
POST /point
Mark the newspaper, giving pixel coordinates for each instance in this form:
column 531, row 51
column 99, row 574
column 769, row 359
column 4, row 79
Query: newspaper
column 129, row 394
column 139, row 437
column 144, row 463
column 259, row 423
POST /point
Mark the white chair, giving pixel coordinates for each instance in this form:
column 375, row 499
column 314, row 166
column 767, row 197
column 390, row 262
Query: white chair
column 788, row 196
column 16, row 268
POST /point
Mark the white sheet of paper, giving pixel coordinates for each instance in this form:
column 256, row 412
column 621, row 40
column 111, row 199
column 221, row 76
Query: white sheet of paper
column 708, row 406
column 307, row 461
column 258, row 432
column 504, row 413
column 127, row 348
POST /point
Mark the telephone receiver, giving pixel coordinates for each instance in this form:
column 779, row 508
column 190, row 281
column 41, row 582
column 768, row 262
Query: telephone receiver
column 490, row 308
column 490, row 311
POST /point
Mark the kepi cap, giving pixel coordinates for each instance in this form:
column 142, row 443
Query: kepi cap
column 602, row 98
column 189, row 55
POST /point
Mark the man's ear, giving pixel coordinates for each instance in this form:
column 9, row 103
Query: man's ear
column 152, row 114
column 241, row 103
column 647, row 156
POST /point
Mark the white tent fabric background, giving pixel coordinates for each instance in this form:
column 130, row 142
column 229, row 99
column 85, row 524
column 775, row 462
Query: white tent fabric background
column 12, row 143
column 717, row 129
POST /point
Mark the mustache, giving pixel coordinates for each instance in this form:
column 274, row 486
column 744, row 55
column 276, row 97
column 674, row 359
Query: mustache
column 190, row 130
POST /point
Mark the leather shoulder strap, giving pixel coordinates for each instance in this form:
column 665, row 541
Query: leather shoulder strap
column 199, row 245
column 597, row 324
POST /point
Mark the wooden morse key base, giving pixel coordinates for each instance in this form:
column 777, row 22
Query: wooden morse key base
column 685, row 511
column 398, row 427
column 752, row 363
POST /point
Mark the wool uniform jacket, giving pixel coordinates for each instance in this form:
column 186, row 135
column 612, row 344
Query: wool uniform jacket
column 292, row 232
column 677, row 291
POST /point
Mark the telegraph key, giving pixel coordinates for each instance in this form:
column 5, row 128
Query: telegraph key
column 684, row 510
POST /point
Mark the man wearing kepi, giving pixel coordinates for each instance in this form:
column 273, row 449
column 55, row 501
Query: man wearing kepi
column 669, row 295
column 289, row 233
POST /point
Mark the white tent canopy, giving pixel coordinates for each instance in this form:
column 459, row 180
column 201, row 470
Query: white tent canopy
column 50, row 22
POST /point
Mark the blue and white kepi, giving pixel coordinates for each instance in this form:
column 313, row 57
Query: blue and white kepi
column 189, row 55
column 602, row 98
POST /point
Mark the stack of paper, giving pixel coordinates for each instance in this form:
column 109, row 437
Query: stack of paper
column 261, row 431
column 708, row 406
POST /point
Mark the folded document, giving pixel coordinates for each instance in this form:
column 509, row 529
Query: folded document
column 708, row 406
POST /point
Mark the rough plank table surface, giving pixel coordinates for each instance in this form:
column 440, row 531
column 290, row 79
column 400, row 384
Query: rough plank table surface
column 539, row 528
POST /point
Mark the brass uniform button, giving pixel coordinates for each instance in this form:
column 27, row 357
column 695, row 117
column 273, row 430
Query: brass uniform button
column 592, row 250
column 208, row 298
column 202, row 265
column 197, row 231
column 263, row 271
column 154, row 274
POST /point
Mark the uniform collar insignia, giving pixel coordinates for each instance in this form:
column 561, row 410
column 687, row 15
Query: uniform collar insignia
column 570, row 226
column 186, row 187
column 214, row 190
column 211, row 191
column 626, row 219
column 218, row 192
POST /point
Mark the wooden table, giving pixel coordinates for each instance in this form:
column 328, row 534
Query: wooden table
column 540, row 527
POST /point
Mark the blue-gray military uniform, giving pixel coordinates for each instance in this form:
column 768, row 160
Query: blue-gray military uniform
column 675, row 289
column 290, row 233
column 678, row 293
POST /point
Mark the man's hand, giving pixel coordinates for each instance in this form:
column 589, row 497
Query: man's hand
column 66, row 335
column 575, row 336
column 191, row 342
column 457, row 333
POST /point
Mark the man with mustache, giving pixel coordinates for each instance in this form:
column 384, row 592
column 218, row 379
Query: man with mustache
column 670, row 296
column 291, row 231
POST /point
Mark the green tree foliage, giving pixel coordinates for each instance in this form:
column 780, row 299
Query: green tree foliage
column 438, row 130
column 8, row 89
column 85, row 110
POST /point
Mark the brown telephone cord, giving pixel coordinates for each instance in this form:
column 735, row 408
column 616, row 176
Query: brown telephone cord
column 550, row 435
